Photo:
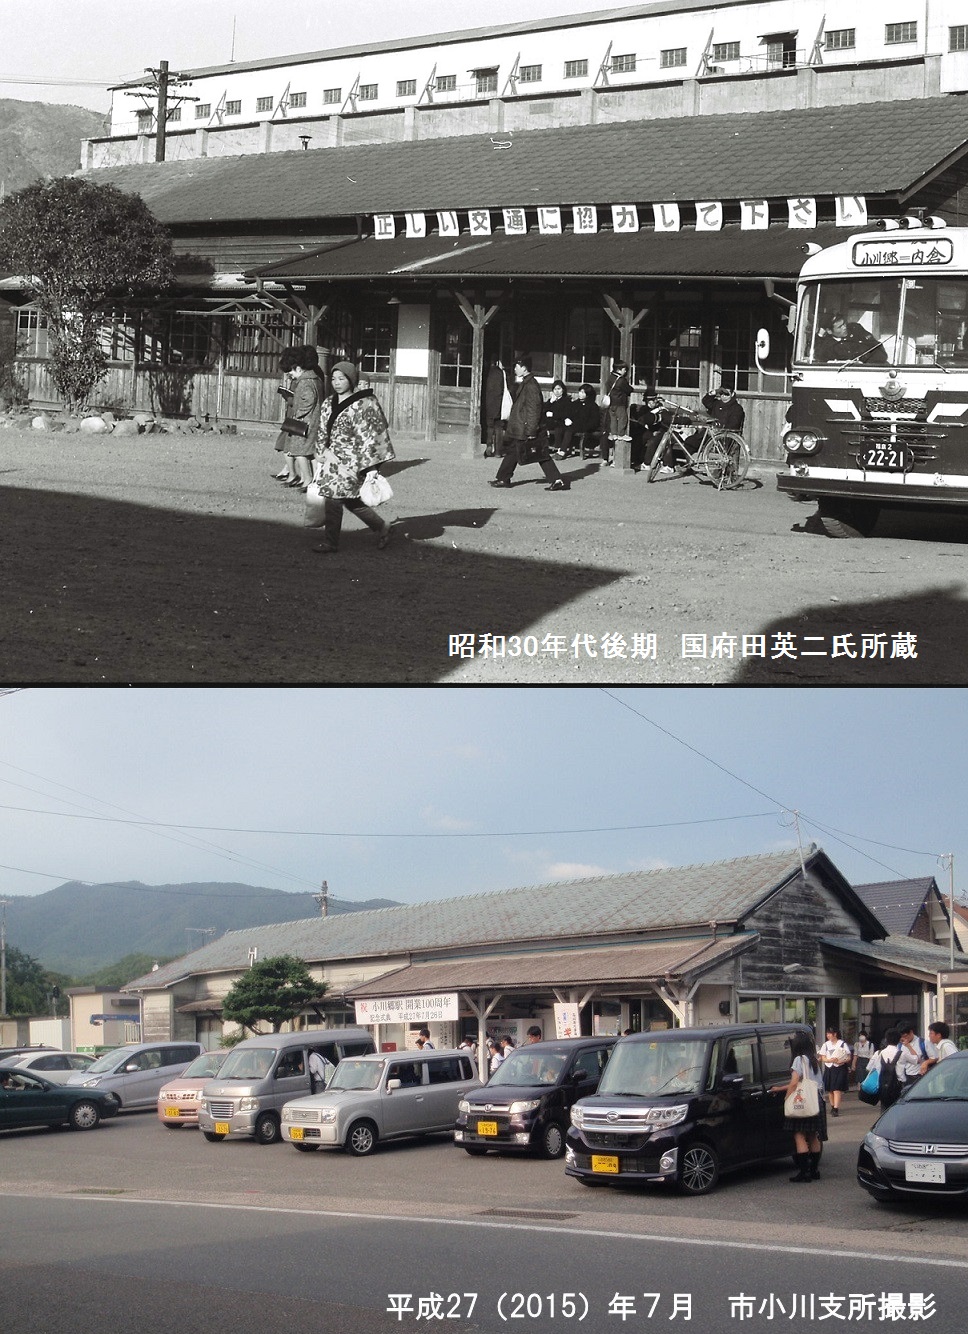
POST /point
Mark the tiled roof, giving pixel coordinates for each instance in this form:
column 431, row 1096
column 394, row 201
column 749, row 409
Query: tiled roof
column 603, row 906
column 896, row 903
column 604, row 964
column 732, row 252
column 877, row 148
column 902, row 953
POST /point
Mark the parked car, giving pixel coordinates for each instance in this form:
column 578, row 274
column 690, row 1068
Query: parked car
column 385, row 1096
column 54, row 1066
column 526, row 1102
column 7, row 1053
column 261, row 1074
column 918, row 1148
column 29, row 1100
column 178, row 1100
column 682, row 1105
column 136, row 1073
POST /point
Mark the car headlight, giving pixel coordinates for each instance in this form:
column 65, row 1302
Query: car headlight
column 875, row 1141
column 530, row 1105
column 248, row 1104
column 91, row 1083
column 577, row 1116
column 463, row 1107
column 327, row 1115
column 666, row 1116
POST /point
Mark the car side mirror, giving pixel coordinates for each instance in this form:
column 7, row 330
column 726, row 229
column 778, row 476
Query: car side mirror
column 393, row 1084
column 128, row 1069
column 732, row 1081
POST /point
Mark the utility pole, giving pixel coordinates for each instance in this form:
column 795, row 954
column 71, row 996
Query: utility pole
column 322, row 898
column 3, row 956
column 161, row 83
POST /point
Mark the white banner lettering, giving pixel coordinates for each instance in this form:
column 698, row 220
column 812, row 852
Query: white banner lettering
column 416, row 224
column 666, row 217
column 407, row 1009
column 709, row 216
column 479, row 220
column 384, row 226
column 549, row 221
column 515, row 222
column 625, row 218
column 585, row 219
column 447, row 224
column 851, row 210
column 801, row 213
column 754, row 215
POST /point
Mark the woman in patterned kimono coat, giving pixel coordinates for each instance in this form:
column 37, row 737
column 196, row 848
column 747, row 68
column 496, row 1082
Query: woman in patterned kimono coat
column 353, row 440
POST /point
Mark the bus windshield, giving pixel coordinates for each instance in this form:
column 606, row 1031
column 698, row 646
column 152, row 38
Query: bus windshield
column 886, row 321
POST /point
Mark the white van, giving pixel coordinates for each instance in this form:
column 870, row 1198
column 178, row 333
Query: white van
column 385, row 1096
column 260, row 1074
column 135, row 1073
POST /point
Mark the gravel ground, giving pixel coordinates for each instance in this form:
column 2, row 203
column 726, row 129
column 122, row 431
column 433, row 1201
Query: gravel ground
column 176, row 558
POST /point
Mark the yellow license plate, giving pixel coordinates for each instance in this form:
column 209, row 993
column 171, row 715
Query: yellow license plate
column 602, row 1162
column 295, row 1132
column 172, row 1111
column 222, row 1127
column 487, row 1127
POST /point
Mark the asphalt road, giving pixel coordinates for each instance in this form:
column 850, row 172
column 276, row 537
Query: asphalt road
column 132, row 1226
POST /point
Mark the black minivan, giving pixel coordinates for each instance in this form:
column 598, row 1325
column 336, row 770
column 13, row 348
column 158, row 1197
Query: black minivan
column 525, row 1103
column 683, row 1105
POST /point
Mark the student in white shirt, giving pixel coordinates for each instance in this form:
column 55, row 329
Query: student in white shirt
column 940, row 1044
column 835, row 1059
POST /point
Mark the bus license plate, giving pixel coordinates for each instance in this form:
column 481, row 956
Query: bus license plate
column 931, row 1172
column 604, row 1162
column 891, row 458
column 487, row 1127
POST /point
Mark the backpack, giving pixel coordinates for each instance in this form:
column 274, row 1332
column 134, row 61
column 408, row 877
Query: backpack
column 889, row 1086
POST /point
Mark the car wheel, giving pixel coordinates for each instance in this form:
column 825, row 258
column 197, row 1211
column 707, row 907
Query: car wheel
column 267, row 1129
column 305, row 1148
column 698, row 1169
column 360, row 1139
column 211, row 1136
column 172, row 1125
column 552, row 1140
column 84, row 1116
column 475, row 1150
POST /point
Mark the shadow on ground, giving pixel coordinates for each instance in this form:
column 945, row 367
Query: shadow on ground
column 97, row 590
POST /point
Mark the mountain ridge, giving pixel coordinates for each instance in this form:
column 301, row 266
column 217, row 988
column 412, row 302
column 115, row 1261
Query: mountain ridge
column 39, row 139
column 77, row 929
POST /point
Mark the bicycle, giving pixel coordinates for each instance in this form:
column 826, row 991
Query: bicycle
column 721, row 455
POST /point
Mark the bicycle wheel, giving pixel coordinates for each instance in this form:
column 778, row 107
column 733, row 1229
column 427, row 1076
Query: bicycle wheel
column 659, row 455
column 726, row 459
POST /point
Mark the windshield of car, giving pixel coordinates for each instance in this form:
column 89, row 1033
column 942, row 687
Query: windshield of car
column 251, row 1063
column 947, row 1079
column 109, row 1061
column 209, row 1063
column 643, row 1069
column 352, row 1074
column 525, row 1067
column 888, row 320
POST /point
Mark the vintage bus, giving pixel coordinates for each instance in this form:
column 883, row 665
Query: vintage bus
column 880, row 375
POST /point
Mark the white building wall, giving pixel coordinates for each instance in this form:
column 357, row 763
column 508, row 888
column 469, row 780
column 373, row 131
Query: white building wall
column 645, row 36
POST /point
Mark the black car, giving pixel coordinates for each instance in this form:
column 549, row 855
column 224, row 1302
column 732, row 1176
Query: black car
column 918, row 1149
column 29, row 1100
column 525, row 1103
column 682, row 1105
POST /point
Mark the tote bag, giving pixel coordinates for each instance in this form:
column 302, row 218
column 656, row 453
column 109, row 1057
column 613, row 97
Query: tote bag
column 804, row 1101
column 869, row 1090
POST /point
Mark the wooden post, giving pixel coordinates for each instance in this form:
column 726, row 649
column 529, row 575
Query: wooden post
column 626, row 322
column 478, row 317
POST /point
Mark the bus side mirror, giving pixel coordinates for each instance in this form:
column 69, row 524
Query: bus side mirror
column 762, row 346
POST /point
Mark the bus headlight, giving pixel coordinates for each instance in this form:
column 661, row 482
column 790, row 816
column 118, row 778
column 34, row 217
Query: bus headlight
column 801, row 442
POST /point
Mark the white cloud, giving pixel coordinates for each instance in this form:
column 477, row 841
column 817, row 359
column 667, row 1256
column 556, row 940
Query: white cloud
column 575, row 871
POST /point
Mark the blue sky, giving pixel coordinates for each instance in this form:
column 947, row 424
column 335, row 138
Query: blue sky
column 493, row 788
column 91, row 40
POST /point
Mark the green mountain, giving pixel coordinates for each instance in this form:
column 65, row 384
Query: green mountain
column 42, row 139
column 77, row 929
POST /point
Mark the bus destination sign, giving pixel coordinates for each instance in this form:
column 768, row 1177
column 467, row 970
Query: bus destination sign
column 903, row 250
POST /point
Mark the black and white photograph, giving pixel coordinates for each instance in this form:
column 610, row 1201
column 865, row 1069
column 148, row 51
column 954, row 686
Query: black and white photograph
column 489, row 345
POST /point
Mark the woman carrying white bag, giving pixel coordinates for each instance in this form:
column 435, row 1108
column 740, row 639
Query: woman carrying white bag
column 805, row 1112
column 353, row 442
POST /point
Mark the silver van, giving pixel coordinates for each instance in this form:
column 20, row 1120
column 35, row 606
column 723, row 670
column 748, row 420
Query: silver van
column 135, row 1073
column 382, row 1097
column 262, row 1073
